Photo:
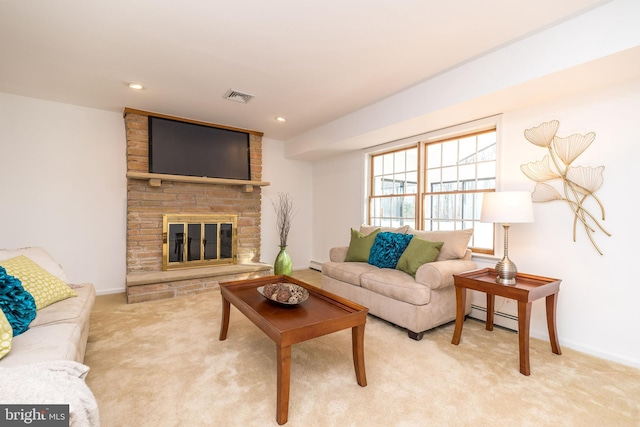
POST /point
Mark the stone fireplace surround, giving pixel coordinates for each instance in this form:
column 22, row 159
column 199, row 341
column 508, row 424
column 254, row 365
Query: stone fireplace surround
column 149, row 196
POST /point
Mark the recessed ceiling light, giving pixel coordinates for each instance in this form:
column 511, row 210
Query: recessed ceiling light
column 136, row 86
column 281, row 119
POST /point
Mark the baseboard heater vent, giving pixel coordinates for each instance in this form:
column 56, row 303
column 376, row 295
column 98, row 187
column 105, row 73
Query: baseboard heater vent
column 315, row 265
column 497, row 313
column 496, row 316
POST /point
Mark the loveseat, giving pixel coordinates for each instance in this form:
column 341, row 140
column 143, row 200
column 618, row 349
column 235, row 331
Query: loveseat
column 417, row 298
column 44, row 363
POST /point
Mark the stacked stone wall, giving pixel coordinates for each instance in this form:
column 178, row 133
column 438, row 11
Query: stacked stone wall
column 146, row 204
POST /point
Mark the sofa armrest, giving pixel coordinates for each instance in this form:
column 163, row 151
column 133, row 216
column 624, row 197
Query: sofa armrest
column 439, row 274
column 338, row 254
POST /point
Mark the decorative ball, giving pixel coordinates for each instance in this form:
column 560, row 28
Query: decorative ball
column 269, row 289
column 296, row 295
column 283, row 295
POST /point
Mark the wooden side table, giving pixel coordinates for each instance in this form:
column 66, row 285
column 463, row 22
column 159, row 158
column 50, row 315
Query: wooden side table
column 527, row 289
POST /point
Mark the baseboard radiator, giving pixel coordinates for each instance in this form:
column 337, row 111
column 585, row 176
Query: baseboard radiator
column 315, row 265
column 504, row 320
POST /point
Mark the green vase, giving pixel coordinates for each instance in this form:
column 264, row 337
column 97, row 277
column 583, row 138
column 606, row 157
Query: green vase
column 283, row 263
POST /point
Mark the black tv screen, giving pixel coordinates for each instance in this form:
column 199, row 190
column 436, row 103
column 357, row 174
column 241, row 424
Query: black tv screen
column 182, row 148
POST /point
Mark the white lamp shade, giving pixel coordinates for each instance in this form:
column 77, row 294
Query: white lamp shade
column 507, row 207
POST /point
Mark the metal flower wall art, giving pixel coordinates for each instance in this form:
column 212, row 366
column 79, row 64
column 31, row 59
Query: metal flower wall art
column 577, row 184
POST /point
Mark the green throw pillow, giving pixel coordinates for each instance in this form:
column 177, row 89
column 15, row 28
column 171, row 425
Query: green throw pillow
column 418, row 252
column 360, row 246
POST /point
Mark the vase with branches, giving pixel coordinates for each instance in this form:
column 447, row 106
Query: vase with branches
column 283, row 207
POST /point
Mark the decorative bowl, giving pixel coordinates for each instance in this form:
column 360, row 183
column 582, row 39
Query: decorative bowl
column 286, row 294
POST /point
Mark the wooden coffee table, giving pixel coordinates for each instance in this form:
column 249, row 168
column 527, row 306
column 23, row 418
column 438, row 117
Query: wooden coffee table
column 321, row 314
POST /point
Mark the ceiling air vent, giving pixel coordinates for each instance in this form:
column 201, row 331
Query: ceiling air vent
column 238, row 96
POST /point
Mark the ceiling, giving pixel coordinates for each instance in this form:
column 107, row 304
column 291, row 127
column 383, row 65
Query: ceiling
column 309, row 61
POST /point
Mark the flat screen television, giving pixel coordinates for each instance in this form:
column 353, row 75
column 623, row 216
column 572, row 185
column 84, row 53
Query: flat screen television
column 183, row 148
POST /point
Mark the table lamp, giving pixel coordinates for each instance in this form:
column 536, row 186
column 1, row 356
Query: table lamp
column 506, row 207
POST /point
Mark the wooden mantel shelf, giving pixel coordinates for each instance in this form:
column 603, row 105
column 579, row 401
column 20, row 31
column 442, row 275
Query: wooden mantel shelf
column 155, row 180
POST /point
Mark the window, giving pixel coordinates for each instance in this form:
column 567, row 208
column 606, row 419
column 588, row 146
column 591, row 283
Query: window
column 436, row 184
column 457, row 172
column 394, row 188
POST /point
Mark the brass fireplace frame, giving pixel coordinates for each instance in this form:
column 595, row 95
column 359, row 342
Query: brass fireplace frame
column 199, row 219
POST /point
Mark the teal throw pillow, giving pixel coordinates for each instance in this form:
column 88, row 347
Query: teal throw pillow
column 388, row 248
column 18, row 305
column 360, row 246
column 418, row 252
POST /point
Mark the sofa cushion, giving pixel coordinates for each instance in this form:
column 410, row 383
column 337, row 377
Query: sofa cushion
column 455, row 242
column 348, row 272
column 42, row 343
column 360, row 246
column 396, row 284
column 6, row 334
column 70, row 310
column 388, row 248
column 418, row 252
column 39, row 256
column 16, row 303
column 367, row 229
column 45, row 287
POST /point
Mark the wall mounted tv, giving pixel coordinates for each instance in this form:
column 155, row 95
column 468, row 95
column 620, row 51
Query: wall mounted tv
column 183, row 148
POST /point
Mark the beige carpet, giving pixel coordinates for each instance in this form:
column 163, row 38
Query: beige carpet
column 161, row 364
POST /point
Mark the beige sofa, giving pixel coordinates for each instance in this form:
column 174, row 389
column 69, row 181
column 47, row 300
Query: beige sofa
column 59, row 331
column 416, row 303
column 45, row 364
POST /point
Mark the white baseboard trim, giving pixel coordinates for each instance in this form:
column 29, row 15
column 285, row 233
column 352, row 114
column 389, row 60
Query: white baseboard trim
column 111, row 291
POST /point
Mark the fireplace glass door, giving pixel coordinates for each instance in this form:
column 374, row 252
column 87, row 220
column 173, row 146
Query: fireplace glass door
column 198, row 240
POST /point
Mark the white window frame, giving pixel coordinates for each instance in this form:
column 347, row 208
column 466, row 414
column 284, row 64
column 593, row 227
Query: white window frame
column 472, row 127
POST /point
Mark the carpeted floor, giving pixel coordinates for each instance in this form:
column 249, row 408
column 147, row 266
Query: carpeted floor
column 161, row 364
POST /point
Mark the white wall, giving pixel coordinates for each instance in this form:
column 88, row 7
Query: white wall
column 63, row 186
column 598, row 303
column 293, row 177
column 597, row 308
column 339, row 201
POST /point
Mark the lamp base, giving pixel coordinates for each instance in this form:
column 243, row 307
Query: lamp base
column 507, row 271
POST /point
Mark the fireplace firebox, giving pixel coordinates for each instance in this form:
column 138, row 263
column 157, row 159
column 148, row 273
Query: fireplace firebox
column 198, row 240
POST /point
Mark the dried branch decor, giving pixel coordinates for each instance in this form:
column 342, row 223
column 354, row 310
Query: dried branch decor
column 578, row 183
column 283, row 207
